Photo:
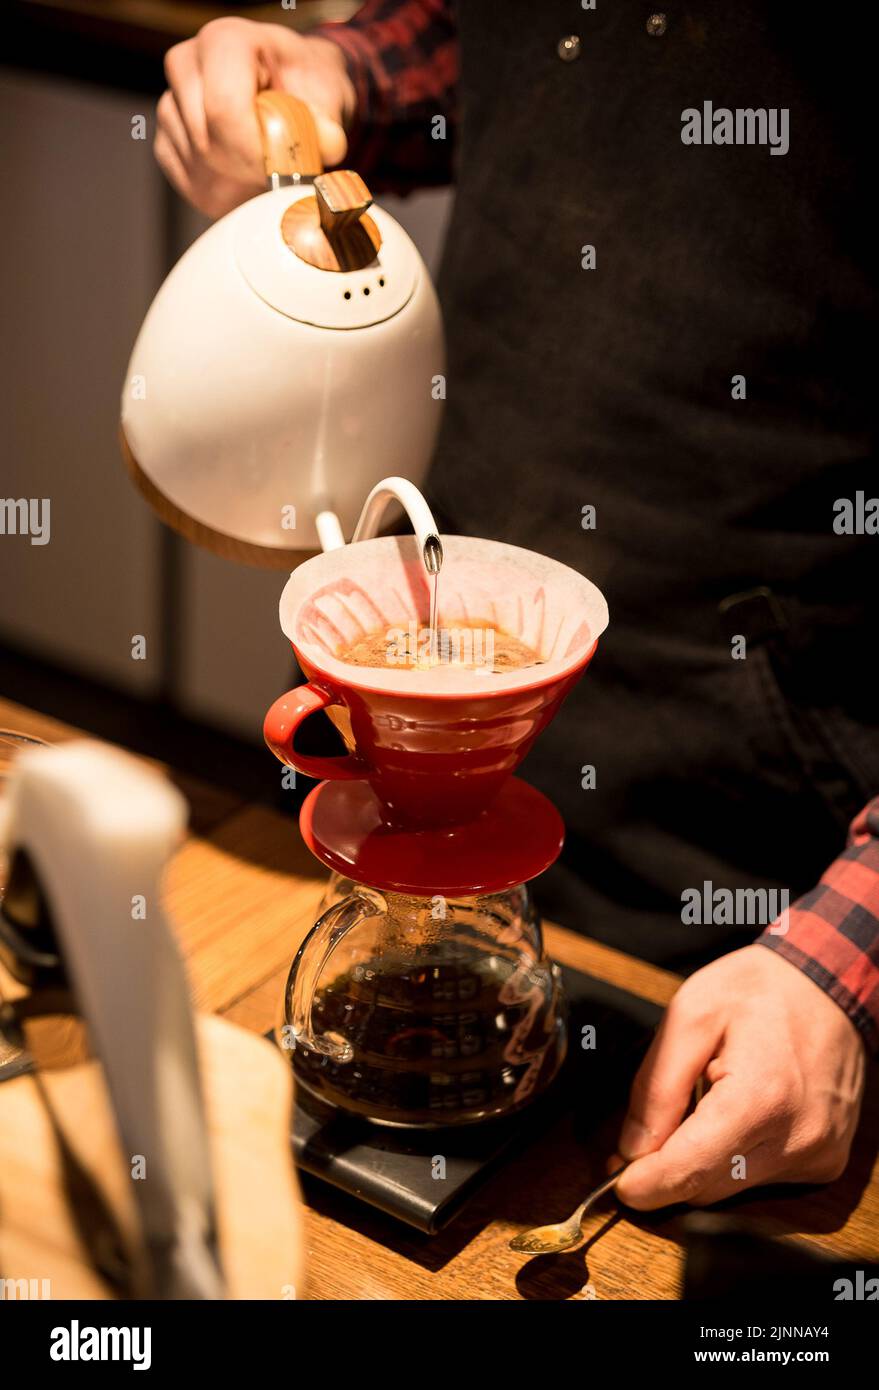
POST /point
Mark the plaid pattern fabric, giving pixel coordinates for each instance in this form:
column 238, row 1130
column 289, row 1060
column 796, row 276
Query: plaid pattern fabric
column 832, row 933
column 402, row 57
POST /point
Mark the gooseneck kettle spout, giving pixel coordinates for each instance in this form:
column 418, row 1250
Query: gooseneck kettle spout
column 414, row 505
column 419, row 513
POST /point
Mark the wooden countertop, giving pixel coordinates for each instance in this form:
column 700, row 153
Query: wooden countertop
column 242, row 892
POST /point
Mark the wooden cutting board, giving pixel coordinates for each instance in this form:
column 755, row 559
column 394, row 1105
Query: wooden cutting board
column 248, row 1094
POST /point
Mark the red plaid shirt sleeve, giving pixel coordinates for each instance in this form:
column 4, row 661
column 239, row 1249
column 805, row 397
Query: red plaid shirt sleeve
column 832, row 933
column 402, row 56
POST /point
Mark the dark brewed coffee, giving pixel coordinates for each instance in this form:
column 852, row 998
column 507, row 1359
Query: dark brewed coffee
column 434, row 1044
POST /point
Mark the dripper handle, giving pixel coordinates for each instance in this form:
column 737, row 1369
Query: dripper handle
column 308, row 967
column 279, row 731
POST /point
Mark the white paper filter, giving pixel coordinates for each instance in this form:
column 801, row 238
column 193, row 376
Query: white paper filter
column 333, row 600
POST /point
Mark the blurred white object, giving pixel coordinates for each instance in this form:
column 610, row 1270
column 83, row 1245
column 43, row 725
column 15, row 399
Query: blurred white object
column 12, row 743
column 97, row 828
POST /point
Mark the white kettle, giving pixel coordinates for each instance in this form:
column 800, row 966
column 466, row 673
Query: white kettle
column 289, row 362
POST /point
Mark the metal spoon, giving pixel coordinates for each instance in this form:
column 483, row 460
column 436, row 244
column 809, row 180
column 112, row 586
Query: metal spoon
column 564, row 1235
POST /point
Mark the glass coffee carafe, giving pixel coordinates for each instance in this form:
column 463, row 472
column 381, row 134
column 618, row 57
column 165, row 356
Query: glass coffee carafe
column 424, row 1011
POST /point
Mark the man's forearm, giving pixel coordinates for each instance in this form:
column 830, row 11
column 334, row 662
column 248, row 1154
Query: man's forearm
column 402, row 58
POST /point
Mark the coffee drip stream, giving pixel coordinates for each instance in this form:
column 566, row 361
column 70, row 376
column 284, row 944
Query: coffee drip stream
column 423, row 995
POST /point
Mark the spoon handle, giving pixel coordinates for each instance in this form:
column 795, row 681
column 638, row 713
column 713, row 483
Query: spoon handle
column 606, row 1186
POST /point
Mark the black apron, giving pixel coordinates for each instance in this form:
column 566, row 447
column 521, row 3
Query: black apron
column 612, row 388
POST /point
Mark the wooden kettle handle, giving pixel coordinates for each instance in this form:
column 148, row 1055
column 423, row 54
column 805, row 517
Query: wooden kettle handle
column 289, row 135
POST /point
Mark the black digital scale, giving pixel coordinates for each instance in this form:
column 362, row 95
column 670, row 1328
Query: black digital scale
column 396, row 1170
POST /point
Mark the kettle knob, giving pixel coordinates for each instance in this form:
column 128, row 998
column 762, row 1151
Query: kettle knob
column 342, row 198
column 330, row 230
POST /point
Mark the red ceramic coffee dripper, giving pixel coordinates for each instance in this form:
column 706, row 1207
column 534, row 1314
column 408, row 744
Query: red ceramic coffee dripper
column 433, row 750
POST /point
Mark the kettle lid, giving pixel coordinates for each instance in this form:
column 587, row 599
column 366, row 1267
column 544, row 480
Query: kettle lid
column 266, row 254
column 313, row 251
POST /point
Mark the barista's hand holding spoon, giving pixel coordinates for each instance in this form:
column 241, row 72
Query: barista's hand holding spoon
column 786, row 1073
column 207, row 138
